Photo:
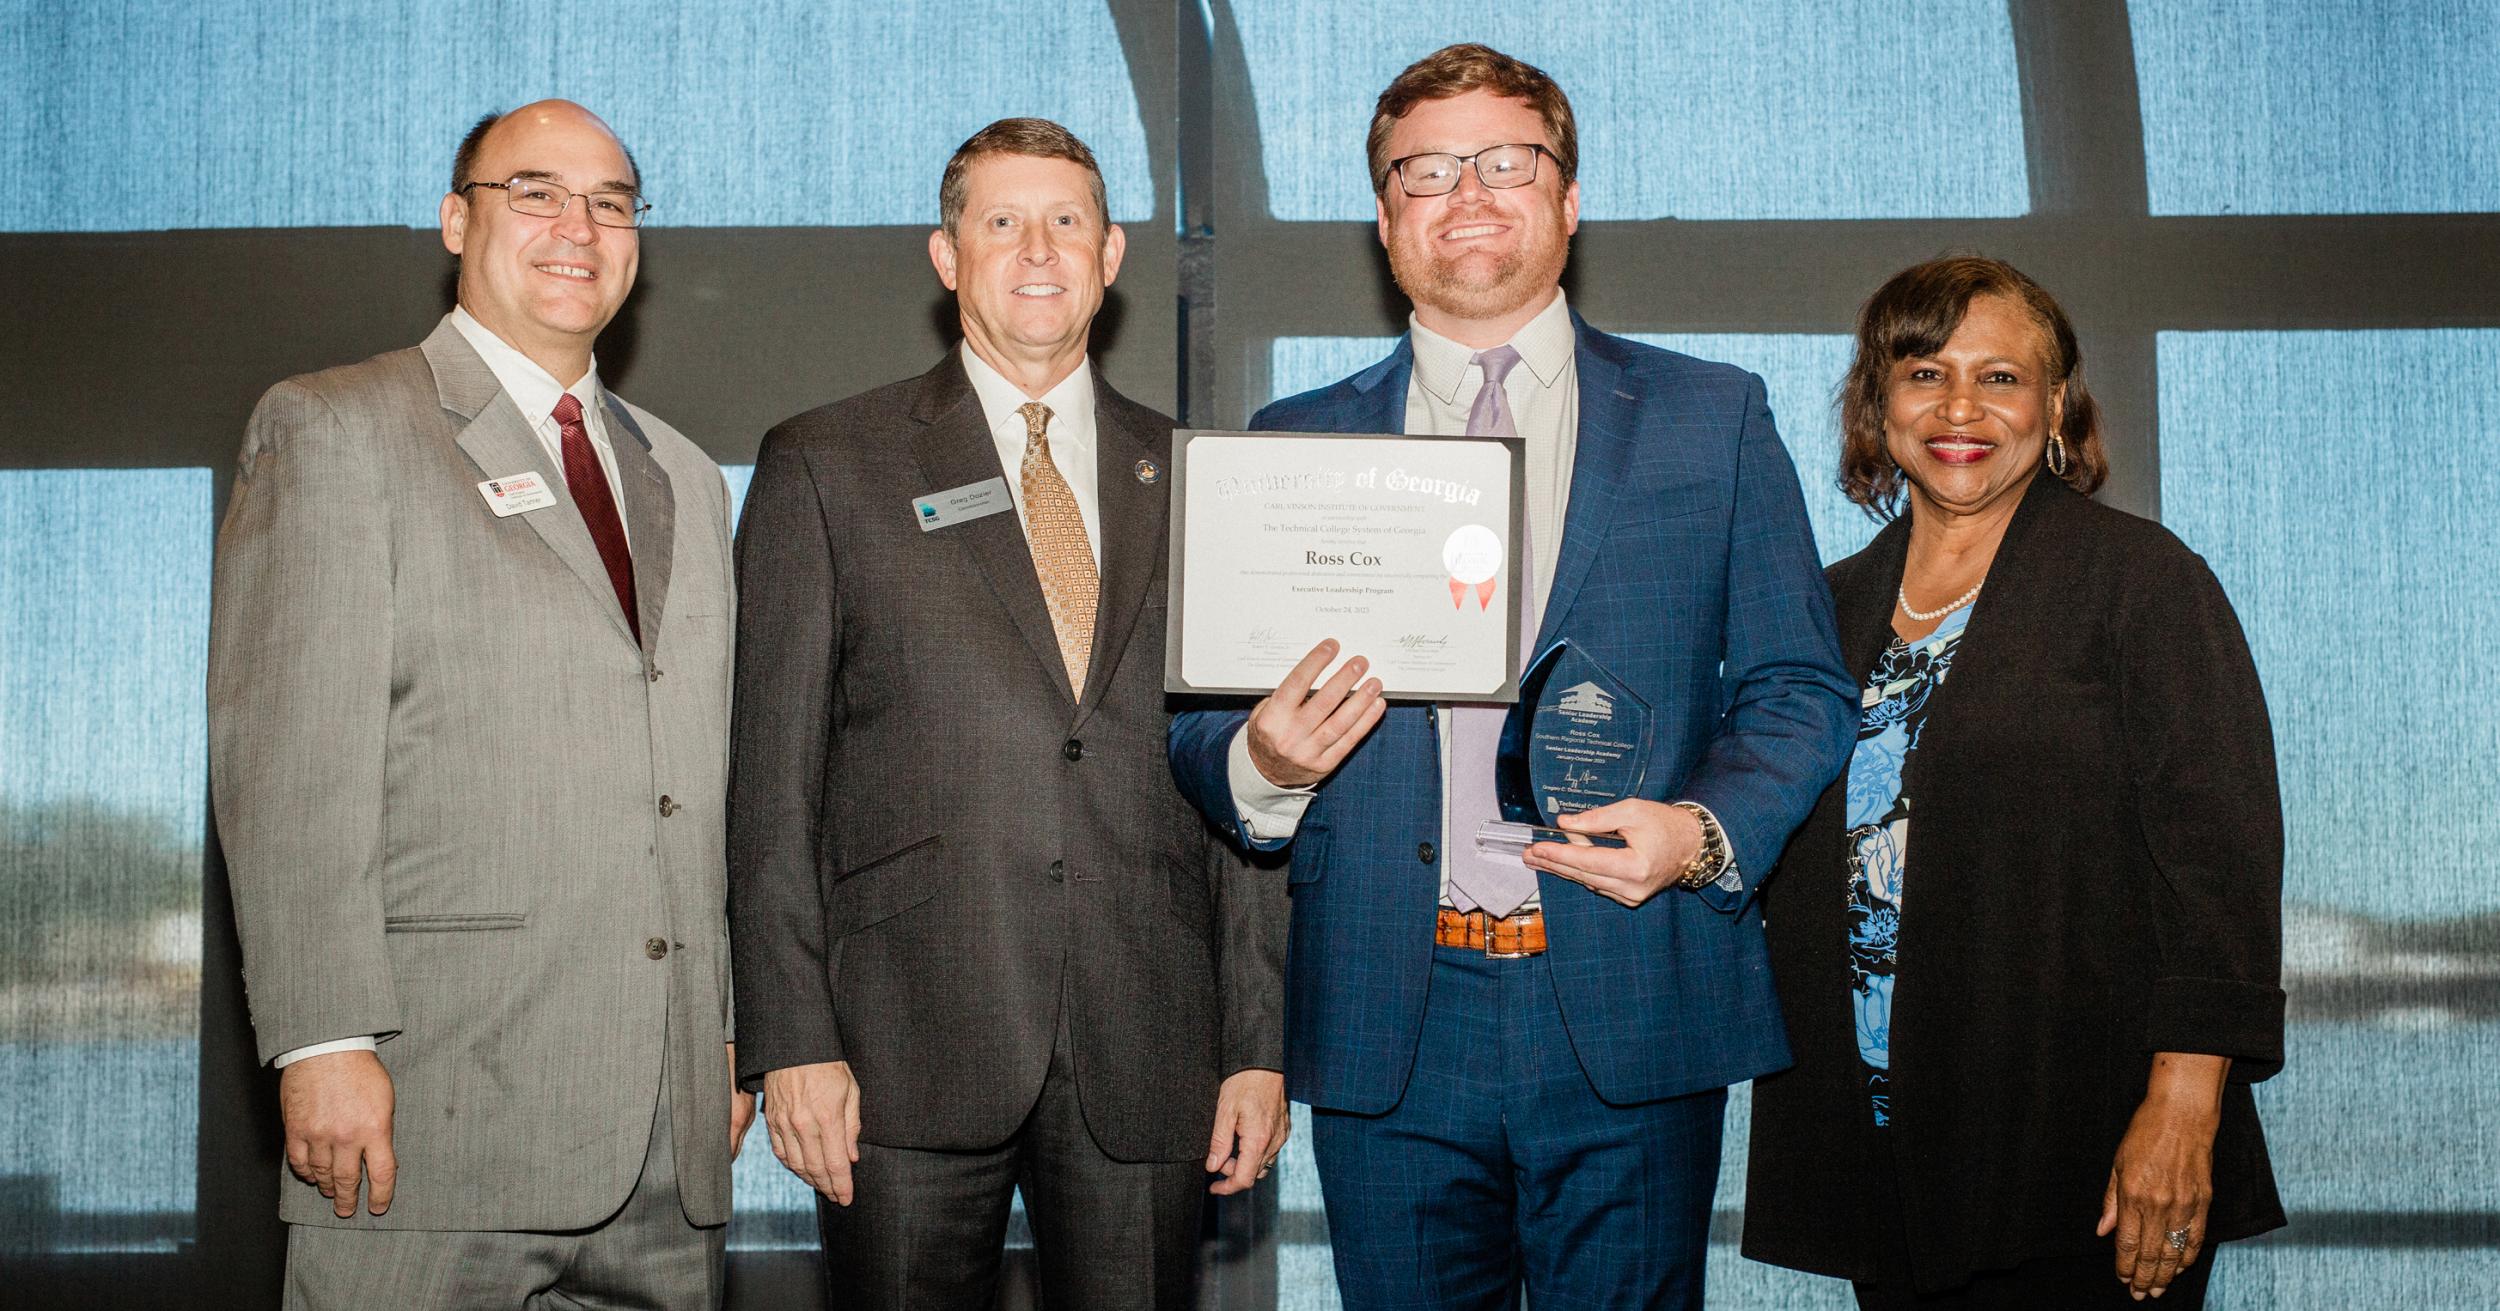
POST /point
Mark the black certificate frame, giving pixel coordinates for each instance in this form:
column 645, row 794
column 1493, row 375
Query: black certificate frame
column 1514, row 448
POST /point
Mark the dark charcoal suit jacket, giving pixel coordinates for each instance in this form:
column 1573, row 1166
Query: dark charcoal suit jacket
column 932, row 844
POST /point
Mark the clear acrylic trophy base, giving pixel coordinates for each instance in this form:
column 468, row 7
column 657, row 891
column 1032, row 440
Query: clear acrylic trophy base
column 1513, row 840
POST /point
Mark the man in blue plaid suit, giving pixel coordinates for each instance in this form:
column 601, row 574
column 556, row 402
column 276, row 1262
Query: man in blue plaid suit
column 1519, row 1067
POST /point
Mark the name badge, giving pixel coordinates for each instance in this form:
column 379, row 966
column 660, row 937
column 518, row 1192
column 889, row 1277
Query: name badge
column 518, row 494
column 961, row 504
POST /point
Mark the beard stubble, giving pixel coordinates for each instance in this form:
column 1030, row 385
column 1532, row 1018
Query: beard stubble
column 1445, row 284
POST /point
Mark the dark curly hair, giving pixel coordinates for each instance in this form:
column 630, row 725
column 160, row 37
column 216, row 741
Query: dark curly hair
column 1916, row 313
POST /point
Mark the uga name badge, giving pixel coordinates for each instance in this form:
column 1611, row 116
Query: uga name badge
column 519, row 493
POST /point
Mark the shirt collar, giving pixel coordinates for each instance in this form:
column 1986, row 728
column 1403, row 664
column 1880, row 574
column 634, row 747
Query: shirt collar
column 532, row 389
column 1071, row 401
column 1545, row 344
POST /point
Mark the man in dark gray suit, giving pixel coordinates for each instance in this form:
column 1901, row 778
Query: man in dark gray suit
column 468, row 725
column 983, row 944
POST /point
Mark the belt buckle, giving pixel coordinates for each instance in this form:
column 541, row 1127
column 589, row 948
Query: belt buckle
column 1490, row 954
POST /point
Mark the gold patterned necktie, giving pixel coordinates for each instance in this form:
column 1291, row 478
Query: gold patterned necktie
column 1062, row 559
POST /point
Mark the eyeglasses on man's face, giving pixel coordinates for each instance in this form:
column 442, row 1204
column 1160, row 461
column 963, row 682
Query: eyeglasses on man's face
column 539, row 198
column 1497, row 167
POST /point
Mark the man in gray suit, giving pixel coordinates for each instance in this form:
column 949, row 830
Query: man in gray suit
column 468, row 713
column 983, row 944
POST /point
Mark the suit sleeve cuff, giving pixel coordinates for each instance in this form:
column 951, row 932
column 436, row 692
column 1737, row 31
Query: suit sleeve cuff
column 1268, row 813
column 1257, row 1043
column 758, row 1057
column 363, row 1043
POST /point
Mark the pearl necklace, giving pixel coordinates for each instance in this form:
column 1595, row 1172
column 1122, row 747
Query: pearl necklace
column 1923, row 616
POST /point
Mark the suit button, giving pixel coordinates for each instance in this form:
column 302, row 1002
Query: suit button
column 655, row 673
column 656, row 948
column 667, row 807
column 1424, row 852
column 1058, row 871
column 1074, row 750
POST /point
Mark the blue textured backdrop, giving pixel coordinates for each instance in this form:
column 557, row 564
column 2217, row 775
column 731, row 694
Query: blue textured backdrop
column 2320, row 107
column 301, row 113
column 103, row 811
column 1691, row 109
column 2342, row 486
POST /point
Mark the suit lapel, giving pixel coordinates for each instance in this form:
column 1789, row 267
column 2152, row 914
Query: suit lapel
column 1132, row 517
column 1607, row 424
column 1380, row 406
column 650, row 516
column 952, row 443
column 501, row 443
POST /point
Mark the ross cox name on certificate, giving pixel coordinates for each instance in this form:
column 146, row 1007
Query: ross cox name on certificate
column 1403, row 549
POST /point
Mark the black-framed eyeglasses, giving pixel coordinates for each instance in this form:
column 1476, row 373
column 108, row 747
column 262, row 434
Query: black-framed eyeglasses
column 539, row 198
column 1497, row 167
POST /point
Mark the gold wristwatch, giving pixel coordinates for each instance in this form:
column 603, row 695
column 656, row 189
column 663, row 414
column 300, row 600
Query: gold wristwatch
column 1710, row 862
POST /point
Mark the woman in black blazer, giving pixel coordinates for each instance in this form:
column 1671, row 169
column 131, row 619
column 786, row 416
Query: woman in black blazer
column 2024, row 1039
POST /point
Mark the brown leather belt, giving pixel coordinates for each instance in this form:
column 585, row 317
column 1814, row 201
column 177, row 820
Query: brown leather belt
column 1522, row 934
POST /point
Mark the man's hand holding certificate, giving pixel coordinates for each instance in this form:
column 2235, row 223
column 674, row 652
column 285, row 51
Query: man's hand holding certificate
column 1403, row 551
column 1299, row 734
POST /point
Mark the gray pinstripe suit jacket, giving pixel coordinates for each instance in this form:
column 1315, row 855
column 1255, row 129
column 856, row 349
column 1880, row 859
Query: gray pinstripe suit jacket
column 437, row 758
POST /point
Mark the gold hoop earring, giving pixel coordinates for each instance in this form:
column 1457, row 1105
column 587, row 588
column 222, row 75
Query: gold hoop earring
column 2058, row 463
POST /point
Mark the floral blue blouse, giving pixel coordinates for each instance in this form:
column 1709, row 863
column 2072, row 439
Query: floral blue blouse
column 1896, row 700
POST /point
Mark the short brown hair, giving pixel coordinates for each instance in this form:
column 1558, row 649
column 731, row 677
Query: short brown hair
column 1916, row 313
column 1038, row 138
column 1455, row 71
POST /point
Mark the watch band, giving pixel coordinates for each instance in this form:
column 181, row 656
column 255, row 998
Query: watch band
column 1711, row 860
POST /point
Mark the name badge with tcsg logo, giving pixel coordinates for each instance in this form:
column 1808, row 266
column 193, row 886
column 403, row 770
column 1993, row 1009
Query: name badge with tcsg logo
column 961, row 504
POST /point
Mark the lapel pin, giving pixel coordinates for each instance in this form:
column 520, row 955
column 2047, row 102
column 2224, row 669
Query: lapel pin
column 1147, row 473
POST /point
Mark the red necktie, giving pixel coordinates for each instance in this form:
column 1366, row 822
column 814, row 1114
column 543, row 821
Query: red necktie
column 589, row 485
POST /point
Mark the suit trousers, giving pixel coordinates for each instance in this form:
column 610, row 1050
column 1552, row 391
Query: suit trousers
column 927, row 1230
column 1501, row 1166
column 646, row 1257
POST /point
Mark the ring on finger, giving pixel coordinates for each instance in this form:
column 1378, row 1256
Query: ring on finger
column 2178, row 1240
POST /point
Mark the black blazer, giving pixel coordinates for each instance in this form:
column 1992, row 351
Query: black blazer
column 2094, row 875
column 933, row 846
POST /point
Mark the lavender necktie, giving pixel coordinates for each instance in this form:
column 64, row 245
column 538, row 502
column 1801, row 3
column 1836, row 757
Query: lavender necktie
column 1496, row 885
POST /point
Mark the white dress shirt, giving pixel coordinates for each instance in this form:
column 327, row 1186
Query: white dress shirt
column 1071, row 434
column 1544, row 398
column 534, row 391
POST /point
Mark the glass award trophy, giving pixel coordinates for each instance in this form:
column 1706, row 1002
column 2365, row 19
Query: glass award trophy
column 1578, row 739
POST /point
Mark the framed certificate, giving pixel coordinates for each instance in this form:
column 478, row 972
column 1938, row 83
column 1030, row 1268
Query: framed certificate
column 1404, row 549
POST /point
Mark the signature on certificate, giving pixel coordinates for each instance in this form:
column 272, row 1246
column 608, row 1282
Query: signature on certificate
column 1423, row 641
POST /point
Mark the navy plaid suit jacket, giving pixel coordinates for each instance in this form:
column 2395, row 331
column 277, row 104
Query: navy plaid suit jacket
column 1688, row 569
